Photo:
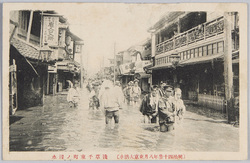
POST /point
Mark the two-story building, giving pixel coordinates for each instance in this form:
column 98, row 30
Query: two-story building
column 133, row 62
column 35, row 39
column 188, row 50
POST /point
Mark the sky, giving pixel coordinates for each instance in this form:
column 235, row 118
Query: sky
column 110, row 28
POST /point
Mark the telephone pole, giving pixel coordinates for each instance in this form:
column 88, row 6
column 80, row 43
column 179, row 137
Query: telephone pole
column 114, row 62
column 228, row 68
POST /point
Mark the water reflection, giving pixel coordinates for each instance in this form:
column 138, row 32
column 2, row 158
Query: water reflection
column 60, row 128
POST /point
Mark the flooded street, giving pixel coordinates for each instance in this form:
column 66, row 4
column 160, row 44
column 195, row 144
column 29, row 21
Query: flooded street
column 56, row 127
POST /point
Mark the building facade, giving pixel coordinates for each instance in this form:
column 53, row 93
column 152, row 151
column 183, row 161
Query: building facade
column 189, row 52
column 36, row 45
column 134, row 60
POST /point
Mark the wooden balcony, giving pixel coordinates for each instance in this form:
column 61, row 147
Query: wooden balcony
column 192, row 36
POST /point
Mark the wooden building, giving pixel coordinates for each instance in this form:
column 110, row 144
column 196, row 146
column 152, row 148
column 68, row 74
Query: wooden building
column 132, row 66
column 37, row 42
column 189, row 52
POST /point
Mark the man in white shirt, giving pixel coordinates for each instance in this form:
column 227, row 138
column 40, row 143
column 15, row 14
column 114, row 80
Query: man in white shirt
column 111, row 103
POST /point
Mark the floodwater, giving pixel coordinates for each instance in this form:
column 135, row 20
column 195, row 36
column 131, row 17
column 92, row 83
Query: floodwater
column 56, row 127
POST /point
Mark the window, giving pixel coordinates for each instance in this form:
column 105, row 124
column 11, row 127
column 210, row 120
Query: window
column 196, row 52
column 192, row 53
column 204, row 50
column 220, row 47
column 210, row 49
column 36, row 24
column 184, row 55
column 181, row 55
column 188, row 54
column 215, row 48
column 24, row 17
column 200, row 51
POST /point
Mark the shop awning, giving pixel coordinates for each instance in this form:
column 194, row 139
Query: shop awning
column 69, row 66
column 190, row 61
column 67, row 62
column 142, row 75
column 200, row 59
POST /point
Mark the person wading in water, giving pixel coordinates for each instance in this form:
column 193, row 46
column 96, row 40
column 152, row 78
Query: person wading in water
column 167, row 110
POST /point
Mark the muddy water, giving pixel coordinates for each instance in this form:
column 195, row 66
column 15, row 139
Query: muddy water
column 56, row 127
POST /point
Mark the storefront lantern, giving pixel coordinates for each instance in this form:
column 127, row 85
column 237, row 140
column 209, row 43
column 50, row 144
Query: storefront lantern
column 45, row 53
column 68, row 40
column 175, row 58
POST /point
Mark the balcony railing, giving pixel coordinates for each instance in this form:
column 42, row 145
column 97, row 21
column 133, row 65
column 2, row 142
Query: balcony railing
column 200, row 32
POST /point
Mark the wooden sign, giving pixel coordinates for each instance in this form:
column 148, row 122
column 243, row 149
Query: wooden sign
column 50, row 30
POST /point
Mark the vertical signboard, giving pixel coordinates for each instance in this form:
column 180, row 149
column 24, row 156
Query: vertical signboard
column 78, row 48
column 50, row 30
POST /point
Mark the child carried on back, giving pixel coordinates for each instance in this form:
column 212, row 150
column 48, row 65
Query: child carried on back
column 179, row 106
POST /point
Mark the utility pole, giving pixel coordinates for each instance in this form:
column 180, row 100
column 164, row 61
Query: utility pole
column 228, row 69
column 81, row 78
column 114, row 62
column 102, row 69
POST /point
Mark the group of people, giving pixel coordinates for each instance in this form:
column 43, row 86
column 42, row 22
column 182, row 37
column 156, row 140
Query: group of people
column 163, row 105
column 132, row 93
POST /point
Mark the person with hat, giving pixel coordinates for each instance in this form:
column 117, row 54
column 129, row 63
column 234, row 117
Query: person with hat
column 126, row 92
column 161, row 91
column 166, row 110
column 149, row 105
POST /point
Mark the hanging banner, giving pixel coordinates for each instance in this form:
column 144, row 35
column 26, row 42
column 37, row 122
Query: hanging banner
column 127, row 68
column 50, row 30
column 139, row 65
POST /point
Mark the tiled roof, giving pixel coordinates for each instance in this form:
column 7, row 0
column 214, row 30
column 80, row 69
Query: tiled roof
column 25, row 49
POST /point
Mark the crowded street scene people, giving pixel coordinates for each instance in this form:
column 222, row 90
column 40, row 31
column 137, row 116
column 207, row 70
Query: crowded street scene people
column 121, row 77
column 162, row 105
